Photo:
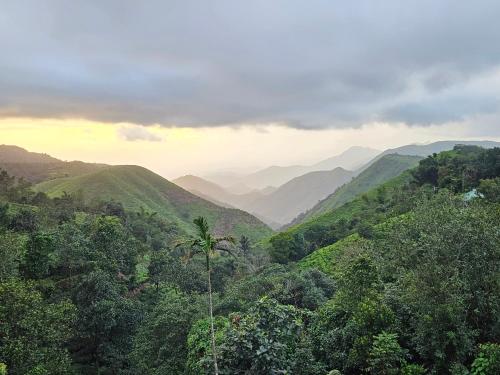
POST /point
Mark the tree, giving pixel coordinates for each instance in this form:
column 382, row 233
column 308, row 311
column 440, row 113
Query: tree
column 11, row 249
column 488, row 360
column 39, row 254
column 263, row 341
column 160, row 345
column 386, row 356
column 33, row 332
column 443, row 261
column 206, row 244
column 287, row 247
column 245, row 245
column 105, row 324
column 490, row 189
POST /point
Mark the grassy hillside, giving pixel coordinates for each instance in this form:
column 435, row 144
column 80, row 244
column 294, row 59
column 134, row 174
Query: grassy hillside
column 137, row 187
column 385, row 168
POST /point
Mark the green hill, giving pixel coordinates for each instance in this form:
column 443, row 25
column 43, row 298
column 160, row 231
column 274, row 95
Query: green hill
column 385, row 168
column 137, row 187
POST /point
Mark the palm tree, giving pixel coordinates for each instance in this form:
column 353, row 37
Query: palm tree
column 245, row 245
column 206, row 244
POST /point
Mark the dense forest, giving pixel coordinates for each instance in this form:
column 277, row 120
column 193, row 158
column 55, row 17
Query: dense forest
column 402, row 279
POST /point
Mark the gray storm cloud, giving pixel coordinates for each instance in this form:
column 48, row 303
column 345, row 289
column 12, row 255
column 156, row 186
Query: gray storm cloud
column 308, row 64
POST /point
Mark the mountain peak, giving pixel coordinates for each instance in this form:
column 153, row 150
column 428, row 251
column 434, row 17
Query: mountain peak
column 16, row 154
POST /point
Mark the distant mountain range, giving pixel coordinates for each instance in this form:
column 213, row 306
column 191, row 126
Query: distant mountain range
column 217, row 194
column 295, row 199
column 298, row 195
column 351, row 159
column 281, row 205
column 313, row 193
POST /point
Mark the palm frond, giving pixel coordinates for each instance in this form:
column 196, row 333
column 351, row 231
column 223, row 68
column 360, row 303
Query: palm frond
column 226, row 250
column 191, row 242
column 202, row 226
column 229, row 239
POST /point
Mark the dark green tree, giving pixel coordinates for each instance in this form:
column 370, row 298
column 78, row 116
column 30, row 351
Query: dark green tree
column 33, row 332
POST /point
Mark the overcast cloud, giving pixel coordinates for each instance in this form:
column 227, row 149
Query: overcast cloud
column 306, row 64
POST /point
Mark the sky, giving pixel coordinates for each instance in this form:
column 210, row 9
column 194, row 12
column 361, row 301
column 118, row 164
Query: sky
column 197, row 86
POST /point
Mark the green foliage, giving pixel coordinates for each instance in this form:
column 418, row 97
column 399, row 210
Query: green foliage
column 307, row 289
column 386, row 356
column 490, row 189
column 200, row 355
column 344, row 328
column 264, row 340
column 105, row 322
column 413, row 369
column 244, row 245
column 437, row 276
column 32, row 331
column 287, row 247
column 459, row 170
column 406, row 272
column 160, row 345
column 38, row 257
column 3, row 369
column 488, row 360
column 11, row 254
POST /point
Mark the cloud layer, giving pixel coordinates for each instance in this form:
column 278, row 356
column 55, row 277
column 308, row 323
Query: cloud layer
column 306, row 64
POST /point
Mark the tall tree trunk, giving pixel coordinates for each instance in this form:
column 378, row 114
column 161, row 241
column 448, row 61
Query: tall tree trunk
column 211, row 310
